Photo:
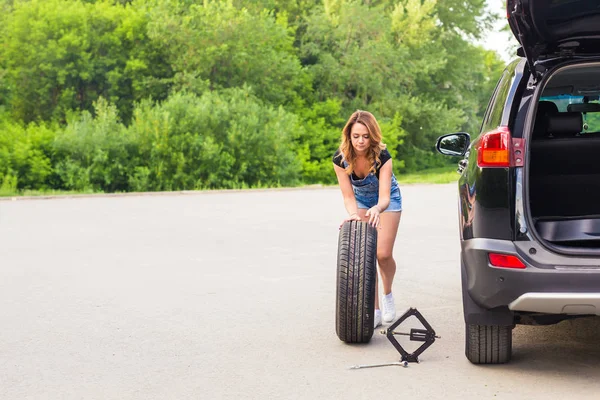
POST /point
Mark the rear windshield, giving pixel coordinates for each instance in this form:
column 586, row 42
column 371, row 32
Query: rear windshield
column 591, row 119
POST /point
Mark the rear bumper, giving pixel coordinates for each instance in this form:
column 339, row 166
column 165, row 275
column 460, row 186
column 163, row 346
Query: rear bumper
column 558, row 303
column 550, row 283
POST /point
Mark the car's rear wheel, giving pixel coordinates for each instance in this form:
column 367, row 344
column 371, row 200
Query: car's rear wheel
column 488, row 344
column 356, row 280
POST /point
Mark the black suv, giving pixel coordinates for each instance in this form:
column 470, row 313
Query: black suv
column 529, row 191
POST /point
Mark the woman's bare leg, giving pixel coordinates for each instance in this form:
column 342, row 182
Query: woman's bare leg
column 386, row 236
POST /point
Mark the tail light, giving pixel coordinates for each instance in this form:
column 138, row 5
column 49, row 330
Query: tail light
column 494, row 148
column 505, row 261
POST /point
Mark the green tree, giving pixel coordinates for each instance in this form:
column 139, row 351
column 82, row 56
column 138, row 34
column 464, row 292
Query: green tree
column 466, row 17
column 62, row 55
column 368, row 57
column 295, row 10
column 188, row 94
column 215, row 46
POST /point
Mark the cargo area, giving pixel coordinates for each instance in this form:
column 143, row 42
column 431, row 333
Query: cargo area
column 564, row 165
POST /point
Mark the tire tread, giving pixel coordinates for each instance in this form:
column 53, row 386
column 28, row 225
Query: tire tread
column 356, row 279
column 488, row 344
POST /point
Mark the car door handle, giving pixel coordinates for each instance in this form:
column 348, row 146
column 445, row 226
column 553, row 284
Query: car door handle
column 463, row 163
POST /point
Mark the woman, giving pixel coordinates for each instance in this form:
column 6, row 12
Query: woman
column 371, row 193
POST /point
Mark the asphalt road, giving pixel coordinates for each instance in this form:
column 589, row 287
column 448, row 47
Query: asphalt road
column 231, row 295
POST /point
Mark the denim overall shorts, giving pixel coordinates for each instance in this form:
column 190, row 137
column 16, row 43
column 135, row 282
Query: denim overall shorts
column 366, row 192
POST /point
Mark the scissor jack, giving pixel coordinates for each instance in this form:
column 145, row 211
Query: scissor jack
column 426, row 335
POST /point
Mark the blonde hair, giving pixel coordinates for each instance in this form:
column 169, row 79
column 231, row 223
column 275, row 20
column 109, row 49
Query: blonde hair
column 347, row 150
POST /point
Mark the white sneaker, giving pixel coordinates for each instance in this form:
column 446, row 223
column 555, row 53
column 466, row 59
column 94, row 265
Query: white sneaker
column 388, row 307
column 377, row 319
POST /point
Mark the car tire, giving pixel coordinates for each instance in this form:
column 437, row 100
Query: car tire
column 488, row 344
column 356, row 280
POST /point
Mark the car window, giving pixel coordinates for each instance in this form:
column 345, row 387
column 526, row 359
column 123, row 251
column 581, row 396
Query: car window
column 591, row 119
column 493, row 115
column 591, row 122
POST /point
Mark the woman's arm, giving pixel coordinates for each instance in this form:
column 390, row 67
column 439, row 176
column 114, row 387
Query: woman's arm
column 385, row 185
column 347, row 192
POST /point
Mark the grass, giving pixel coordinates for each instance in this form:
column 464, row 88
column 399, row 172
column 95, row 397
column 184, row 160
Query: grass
column 435, row 175
column 20, row 193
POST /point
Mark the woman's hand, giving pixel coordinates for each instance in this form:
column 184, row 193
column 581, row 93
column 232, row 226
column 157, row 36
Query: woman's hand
column 351, row 217
column 373, row 214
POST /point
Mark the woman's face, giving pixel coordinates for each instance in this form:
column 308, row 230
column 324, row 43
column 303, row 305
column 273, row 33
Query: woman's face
column 361, row 140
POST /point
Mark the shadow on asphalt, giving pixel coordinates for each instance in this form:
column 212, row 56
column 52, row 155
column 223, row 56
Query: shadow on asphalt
column 569, row 347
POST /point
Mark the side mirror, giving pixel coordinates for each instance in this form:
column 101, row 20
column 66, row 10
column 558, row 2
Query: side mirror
column 454, row 144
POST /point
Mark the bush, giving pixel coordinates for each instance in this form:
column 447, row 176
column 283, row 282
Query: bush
column 218, row 140
column 94, row 153
column 25, row 155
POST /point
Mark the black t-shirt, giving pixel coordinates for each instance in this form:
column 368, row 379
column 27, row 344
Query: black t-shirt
column 384, row 156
